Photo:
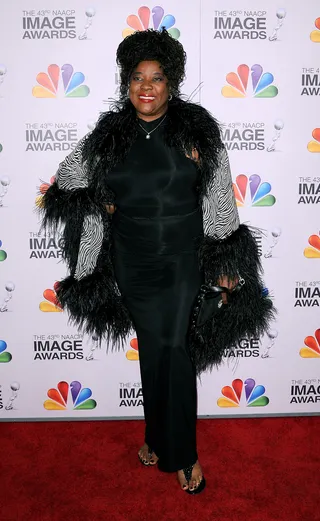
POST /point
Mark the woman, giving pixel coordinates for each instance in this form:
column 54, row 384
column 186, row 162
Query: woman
column 149, row 214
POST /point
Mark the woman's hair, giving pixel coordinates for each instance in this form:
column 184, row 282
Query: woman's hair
column 151, row 45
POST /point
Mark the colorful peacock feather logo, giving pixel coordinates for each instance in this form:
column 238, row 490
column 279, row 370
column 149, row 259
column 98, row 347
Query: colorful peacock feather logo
column 314, row 251
column 49, row 83
column 133, row 354
column 259, row 192
column 313, row 346
column 51, row 304
column 238, row 83
column 5, row 356
column 42, row 189
column 254, row 394
column 315, row 35
column 143, row 21
column 3, row 254
column 314, row 145
column 81, row 398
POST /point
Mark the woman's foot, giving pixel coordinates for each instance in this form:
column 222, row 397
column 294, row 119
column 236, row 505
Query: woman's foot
column 146, row 457
column 196, row 478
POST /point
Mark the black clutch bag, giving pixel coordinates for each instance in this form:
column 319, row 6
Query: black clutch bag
column 209, row 302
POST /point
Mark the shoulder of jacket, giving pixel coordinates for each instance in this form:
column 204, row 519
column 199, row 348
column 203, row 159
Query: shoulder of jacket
column 195, row 112
column 109, row 125
column 111, row 118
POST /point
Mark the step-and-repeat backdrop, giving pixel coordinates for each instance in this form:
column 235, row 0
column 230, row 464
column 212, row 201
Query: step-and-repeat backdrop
column 255, row 65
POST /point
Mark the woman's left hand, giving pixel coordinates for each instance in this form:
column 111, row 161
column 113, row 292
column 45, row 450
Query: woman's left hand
column 194, row 155
column 227, row 283
column 110, row 208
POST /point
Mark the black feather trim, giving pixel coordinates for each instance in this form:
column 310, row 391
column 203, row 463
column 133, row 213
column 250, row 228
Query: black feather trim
column 93, row 303
column 187, row 126
column 233, row 256
column 190, row 126
column 59, row 206
column 250, row 310
column 95, row 307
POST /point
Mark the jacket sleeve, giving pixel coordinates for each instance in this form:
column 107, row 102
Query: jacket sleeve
column 229, row 249
column 68, row 205
column 89, row 293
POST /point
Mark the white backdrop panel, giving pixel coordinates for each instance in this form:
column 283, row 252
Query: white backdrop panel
column 47, row 369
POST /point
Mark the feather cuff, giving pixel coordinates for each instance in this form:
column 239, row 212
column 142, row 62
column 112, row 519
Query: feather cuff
column 59, row 206
column 249, row 312
column 95, row 307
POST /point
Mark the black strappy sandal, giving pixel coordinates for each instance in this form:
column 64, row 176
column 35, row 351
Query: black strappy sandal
column 147, row 463
column 188, row 475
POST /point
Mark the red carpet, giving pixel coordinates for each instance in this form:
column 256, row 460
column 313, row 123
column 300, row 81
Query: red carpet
column 257, row 470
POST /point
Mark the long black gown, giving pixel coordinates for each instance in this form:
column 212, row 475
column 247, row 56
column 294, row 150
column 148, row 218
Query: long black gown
column 156, row 228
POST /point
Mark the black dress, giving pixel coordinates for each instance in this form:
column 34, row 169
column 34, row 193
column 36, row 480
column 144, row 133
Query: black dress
column 156, row 228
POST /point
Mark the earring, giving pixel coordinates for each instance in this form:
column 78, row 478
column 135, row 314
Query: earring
column 170, row 97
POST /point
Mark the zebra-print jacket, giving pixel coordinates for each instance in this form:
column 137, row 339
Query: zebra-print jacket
column 78, row 198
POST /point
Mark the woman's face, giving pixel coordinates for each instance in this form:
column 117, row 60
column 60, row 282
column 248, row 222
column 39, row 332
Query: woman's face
column 148, row 90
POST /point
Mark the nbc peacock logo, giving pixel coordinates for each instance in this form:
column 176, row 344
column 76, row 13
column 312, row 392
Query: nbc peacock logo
column 315, row 34
column 5, row 356
column 133, row 354
column 51, row 302
column 314, row 145
column 259, row 192
column 151, row 19
column 59, row 399
column 311, row 347
column 3, row 254
column 313, row 251
column 253, row 395
column 239, row 83
column 50, row 85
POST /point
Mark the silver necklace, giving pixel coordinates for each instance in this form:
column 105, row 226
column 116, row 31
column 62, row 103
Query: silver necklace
column 149, row 133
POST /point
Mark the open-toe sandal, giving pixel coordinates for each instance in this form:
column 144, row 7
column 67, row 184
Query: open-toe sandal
column 188, row 475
